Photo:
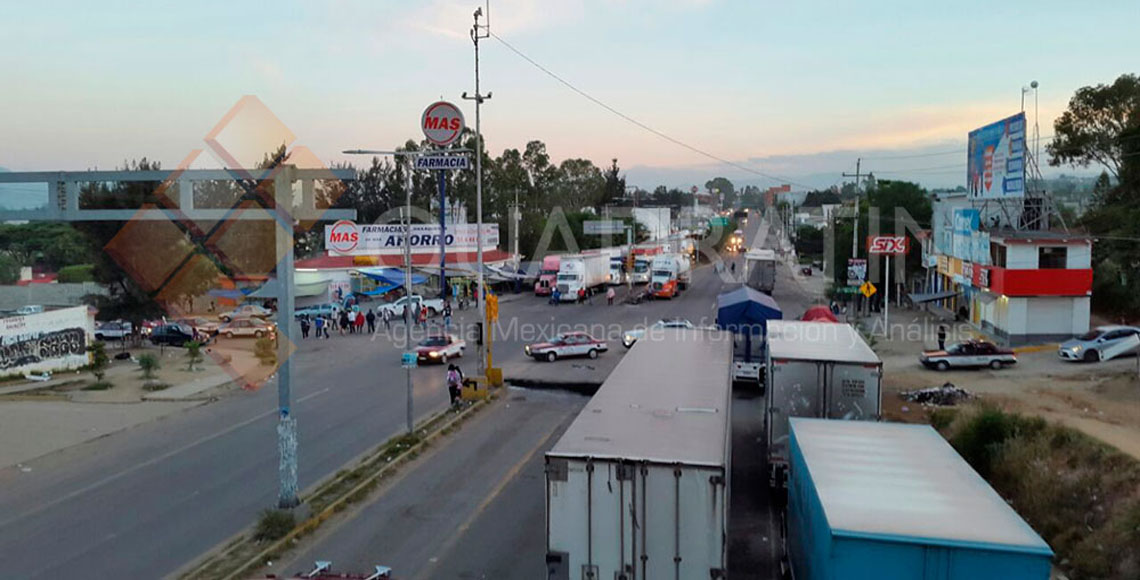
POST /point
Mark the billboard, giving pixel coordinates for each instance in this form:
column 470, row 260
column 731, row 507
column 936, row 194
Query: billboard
column 346, row 238
column 995, row 160
column 856, row 271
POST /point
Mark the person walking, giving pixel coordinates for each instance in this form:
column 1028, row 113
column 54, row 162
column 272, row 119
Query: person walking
column 610, row 296
column 581, row 295
column 941, row 337
column 454, row 384
column 352, row 322
column 423, row 315
column 555, row 297
column 305, row 327
column 319, row 325
column 386, row 314
column 359, row 322
column 371, row 318
column 447, row 315
column 343, row 322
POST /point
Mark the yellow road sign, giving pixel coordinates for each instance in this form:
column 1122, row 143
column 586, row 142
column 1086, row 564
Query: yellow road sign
column 868, row 289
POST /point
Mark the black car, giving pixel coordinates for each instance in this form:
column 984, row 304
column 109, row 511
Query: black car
column 172, row 334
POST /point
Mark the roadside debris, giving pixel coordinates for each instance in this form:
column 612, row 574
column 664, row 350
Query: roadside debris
column 945, row 396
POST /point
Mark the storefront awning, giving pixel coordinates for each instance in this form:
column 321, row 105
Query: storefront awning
column 986, row 297
column 932, row 296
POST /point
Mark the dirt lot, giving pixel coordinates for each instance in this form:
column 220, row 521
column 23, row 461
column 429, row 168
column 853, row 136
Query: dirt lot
column 1100, row 399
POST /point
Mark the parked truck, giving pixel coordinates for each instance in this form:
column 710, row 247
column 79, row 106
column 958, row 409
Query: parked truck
column 643, row 259
column 760, row 270
column 638, row 485
column 547, row 275
column 816, row 369
column 582, row 273
column 892, row 500
column 670, row 274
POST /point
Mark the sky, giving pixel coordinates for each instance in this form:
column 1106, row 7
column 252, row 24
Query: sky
column 793, row 90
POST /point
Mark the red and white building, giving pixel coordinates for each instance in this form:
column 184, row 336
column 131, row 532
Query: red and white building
column 1029, row 287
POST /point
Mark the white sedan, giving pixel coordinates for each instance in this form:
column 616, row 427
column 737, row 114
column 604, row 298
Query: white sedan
column 565, row 345
column 632, row 336
column 440, row 347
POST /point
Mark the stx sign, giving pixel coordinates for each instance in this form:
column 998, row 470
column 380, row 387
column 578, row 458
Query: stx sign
column 889, row 245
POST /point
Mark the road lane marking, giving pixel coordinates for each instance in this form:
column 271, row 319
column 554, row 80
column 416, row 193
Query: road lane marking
column 152, row 461
column 447, row 546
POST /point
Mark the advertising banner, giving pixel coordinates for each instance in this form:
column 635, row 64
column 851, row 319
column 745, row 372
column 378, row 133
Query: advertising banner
column 856, row 271
column 966, row 223
column 995, row 161
column 345, row 238
column 981, row 248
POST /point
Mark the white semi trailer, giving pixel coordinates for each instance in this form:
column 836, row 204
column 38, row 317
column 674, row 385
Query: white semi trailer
column 638, row 485
column 823, row 370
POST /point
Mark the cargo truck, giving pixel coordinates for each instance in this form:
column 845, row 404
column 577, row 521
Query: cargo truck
column 638, row 485
column 815, row 369
column 547, row 275
column 670, row 274
column 643, row 259
column 581, row 273
column 891, row 500
column 760, row 270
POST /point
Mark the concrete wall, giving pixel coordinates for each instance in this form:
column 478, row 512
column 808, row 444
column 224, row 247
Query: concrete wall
column 1080, row 256
column 48, row 341
column 59, row 295
column 1021, row 257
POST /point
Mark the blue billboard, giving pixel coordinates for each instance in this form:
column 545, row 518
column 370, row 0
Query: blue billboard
column 995, row 160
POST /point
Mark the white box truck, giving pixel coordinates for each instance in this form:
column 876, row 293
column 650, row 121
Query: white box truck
column 822, row 370
column 638, row 485
column 760, row 269
column 577, row 272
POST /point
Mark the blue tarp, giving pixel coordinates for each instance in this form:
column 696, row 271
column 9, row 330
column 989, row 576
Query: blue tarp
column 746, row 311
column 229, row 294
column 391, row 276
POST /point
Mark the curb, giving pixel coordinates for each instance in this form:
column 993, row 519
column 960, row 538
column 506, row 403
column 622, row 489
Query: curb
column 1037, row 348
column 313, row 521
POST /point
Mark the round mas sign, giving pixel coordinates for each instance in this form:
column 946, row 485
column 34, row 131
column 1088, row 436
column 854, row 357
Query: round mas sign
column 343, row 237
column 442, row 123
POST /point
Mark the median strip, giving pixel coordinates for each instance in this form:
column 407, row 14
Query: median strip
column 244, row 554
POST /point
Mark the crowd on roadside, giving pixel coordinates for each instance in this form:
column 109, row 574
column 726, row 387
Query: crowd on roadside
column 354, row 320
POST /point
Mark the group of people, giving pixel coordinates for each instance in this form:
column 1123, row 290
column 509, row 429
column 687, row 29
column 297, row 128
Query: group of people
column 355, row 321
column 583, row 296
column 344, row 321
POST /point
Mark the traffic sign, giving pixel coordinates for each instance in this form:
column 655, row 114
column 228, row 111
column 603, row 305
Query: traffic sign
column 408, row 360
column 887, row 245
column 443, row 162
column 868, row 289
column 602, row 227
column 695, row 190
column 846, row 290
column 442, row 123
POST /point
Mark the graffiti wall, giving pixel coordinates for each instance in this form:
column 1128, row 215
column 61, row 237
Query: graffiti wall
column 48, row 341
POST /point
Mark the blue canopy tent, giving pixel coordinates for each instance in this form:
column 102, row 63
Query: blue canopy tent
column 746, row 311
column 390, row 276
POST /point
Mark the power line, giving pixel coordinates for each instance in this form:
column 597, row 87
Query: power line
column 643, row 126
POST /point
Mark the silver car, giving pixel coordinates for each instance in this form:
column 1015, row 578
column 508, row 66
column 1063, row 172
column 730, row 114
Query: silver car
column 1101, row 343
column 629, row 337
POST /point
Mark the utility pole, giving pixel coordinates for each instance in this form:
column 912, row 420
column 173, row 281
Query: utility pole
column 477, row 33
column 411, row 421
column 855, row 230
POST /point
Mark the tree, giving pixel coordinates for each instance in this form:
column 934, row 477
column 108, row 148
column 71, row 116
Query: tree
column 820, row 198
column 99, row 360
column 724, row 188
column 1091, row 129
column 614, row 188
column 9, row 269
column 149, row 364
column 193, row 354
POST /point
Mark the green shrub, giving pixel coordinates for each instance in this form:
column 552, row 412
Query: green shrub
column 149, row 364
column 265, row 349
column 193, row 354
column 98, row 386
column 99, row 360
column 76, row 274
column 273, row 525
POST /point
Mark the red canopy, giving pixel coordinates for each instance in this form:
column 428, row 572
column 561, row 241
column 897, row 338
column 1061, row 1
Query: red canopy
column 819, row 314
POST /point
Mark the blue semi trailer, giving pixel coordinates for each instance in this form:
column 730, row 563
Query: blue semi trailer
column 891, row 501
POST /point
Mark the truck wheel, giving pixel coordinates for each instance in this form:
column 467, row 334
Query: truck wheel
column 995, row 365
column 943, row 365
column 593, row 353
column 551, row 357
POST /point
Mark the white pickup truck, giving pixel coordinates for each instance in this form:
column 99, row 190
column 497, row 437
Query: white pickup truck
column 434, row 305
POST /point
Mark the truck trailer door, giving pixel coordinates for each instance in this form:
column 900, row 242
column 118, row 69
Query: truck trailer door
column 853, row 391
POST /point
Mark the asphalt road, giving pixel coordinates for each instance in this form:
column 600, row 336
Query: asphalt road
column 475, row 507
column 143, row 502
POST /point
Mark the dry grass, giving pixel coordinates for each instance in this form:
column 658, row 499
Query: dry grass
column 1082, row 496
